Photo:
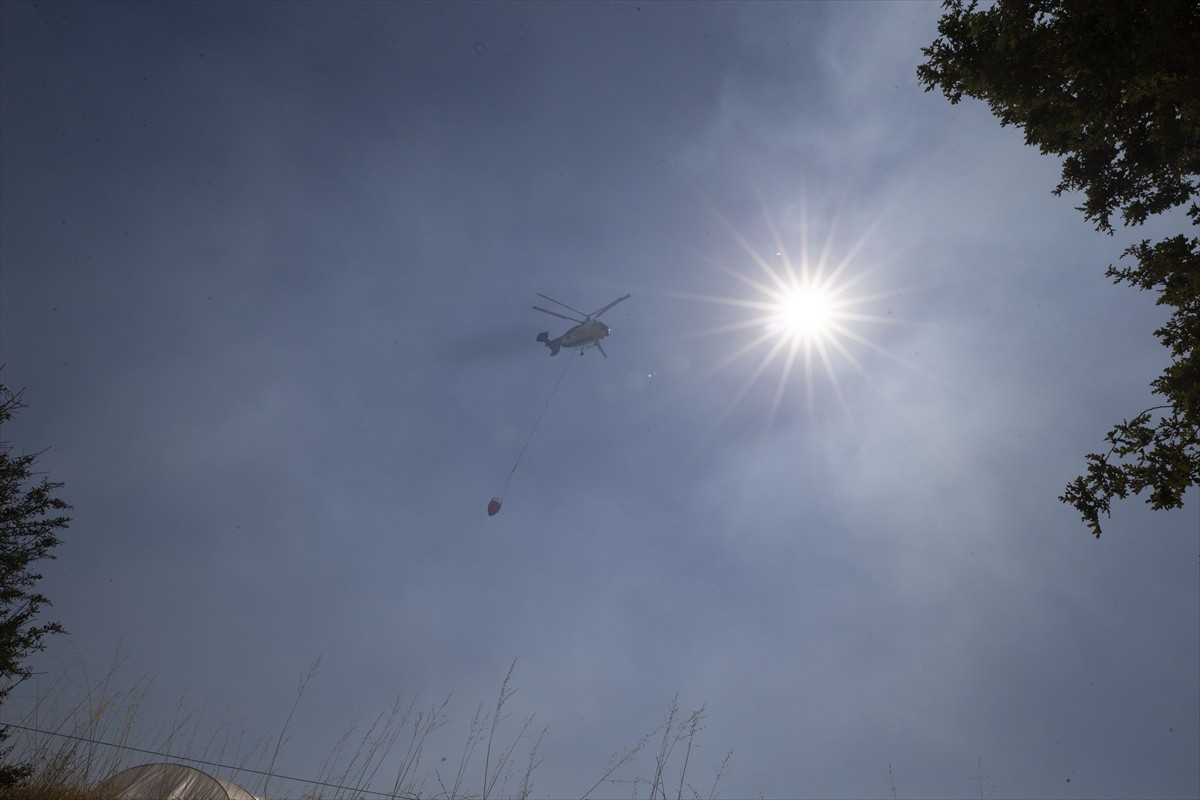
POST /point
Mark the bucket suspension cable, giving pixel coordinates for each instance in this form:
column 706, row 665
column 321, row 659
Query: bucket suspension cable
column 497, row 501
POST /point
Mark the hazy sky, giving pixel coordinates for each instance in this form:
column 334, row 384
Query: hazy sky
column 266, row 275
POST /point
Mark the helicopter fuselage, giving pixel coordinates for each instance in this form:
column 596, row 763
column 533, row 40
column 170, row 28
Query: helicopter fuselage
column 585, row 334
column 581, row 336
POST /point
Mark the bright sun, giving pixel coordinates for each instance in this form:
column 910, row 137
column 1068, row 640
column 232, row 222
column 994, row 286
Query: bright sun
column 805, row 311
column 802, row 313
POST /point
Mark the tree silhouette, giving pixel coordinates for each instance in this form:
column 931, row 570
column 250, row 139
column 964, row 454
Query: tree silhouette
column 29, row 525
column 1114, row 89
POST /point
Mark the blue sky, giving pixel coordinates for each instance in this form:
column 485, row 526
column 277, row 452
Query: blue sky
column 266, row 275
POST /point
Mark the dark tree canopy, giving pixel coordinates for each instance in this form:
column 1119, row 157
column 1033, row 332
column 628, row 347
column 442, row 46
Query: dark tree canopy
column 30, row 519
column 1112, row 87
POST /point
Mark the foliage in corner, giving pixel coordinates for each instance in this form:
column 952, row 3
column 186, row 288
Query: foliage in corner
column 30, row 520
column 1113, row 89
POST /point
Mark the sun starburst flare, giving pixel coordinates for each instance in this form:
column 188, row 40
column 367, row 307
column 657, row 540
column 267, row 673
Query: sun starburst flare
column 803, row 312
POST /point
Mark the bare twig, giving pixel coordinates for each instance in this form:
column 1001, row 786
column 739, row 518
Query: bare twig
column 304, row 679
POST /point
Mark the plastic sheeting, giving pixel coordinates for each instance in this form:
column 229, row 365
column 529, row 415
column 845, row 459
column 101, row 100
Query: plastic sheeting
column 171, row 782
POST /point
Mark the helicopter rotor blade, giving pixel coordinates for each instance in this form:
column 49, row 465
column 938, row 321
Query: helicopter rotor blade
column 556, row 314
column 595, row 314
column 564, row 305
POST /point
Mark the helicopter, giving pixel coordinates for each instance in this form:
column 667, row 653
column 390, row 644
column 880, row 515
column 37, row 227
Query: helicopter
column 589, row 330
